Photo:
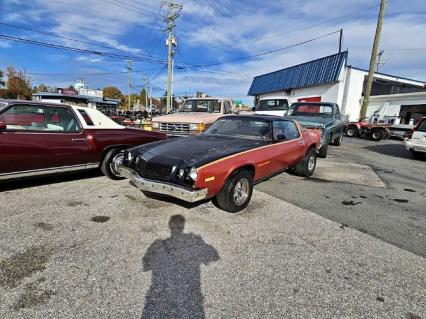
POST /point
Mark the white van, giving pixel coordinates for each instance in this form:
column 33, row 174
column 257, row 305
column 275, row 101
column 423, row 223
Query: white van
column 272, row 105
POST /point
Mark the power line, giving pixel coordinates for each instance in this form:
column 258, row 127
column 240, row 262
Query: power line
column 128, row 7
column 72, row 39
column 249, row 57
column 143, row 4
column 90, row 74
column 307, row 26
column 85, row 51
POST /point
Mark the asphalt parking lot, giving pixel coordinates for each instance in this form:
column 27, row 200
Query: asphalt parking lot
column 82, row 246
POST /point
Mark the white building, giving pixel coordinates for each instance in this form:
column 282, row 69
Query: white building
column 330, row 79
column 82, row 89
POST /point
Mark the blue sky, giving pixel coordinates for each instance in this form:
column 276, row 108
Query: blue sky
column 207, row 32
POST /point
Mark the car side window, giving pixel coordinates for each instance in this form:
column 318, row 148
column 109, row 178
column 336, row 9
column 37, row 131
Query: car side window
column 227, row 106
column 285, row 131
column 39, row 118
column 86, row 117
column 336, row 111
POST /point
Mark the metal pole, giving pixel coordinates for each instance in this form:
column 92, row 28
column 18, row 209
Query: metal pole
column 340, row 40
column 129, row 69
column 364, row 107
column 169, row 71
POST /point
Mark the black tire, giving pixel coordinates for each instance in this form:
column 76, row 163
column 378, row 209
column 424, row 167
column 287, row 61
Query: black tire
column 304, row 167
column 322, row 152
column 107, row 167
column 417, row 155
column 225, row 199
column 351, row 131
column 376, row 135
column 338, row 140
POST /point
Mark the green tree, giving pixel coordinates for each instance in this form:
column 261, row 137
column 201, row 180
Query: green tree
column 143, row 97
column 111, row 92
column 40, row 88
column 2, row 82
column 18, row 85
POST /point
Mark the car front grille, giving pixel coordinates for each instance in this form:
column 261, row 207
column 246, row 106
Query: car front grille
column 174, row 128
column 155, row 171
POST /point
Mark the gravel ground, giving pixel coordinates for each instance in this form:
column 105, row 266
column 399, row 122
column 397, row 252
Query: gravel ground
column 93, row 248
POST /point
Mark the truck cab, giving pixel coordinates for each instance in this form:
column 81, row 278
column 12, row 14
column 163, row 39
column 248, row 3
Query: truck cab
column 273, row 105
column 194, row 116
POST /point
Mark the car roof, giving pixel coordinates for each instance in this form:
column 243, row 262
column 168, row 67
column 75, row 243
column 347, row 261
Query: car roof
column 10, row 102
column 315, row 103
column 265, row 117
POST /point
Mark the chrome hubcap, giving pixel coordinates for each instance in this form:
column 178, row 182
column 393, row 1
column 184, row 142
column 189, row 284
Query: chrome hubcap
column 241, row 191
column 118, row 159
column 311, row 163
column 376, row 134
column 350, row 132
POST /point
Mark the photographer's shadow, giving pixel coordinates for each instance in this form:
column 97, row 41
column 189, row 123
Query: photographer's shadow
column 175, row 263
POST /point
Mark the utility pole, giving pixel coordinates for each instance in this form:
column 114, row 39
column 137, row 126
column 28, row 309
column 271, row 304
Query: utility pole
column 367, row 93
column 129, row 70
column 145, row 82
column 379, row 62
column 172, row 14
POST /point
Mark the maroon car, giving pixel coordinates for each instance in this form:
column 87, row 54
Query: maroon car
column 39, row 138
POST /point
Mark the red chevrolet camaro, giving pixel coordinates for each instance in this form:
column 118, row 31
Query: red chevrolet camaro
column 224, row 162
column 40, row 138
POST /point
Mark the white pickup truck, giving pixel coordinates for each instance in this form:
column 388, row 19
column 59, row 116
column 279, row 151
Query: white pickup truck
column 272, row 105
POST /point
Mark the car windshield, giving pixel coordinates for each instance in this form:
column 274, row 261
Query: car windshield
column 241, row 127
column 311, row 109
column 208, row 106
column 421, row 127
column 272, row 105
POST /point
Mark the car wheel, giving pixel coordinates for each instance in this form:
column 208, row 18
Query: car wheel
column 107, row 167
column 322, row 152
column 416, row 154
column 376, row 135
column 306, row 166
column 338, row 140
column 351, row 131
column 236, row 193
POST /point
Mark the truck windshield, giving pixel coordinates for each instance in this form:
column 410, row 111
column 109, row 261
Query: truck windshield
column 208, row 106
column 253, row 129
column 311, row 109
column 272, row 105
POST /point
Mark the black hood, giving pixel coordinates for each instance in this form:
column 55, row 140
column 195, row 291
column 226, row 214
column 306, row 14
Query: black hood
column 193, row 151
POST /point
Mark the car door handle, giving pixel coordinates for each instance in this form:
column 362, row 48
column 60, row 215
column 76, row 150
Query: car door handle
column 79, row 140
column 301, row 142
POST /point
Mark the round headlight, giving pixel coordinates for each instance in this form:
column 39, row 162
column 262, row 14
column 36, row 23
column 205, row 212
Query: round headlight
column 193, row 174
column 181, row 173
column 155, row 125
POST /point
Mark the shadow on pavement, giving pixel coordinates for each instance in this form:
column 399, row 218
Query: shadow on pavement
column 395, row 150
column 175, row 264
column 48, row 180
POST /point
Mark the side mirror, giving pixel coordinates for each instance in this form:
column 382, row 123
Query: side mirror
column 253, row 109
column 280, row 137
column 3, row 126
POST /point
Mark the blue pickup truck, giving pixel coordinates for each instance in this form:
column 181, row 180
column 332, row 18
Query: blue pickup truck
column 323, row 116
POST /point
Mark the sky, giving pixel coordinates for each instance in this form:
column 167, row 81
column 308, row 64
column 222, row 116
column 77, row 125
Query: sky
column 207, row 32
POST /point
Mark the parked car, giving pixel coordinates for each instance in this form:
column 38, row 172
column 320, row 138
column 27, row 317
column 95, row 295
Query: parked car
column 323, row 116
column 273, row 105
column 39, row 138
column 375, row 132
column 417, row 144
column 194, row 117
column 224, row 162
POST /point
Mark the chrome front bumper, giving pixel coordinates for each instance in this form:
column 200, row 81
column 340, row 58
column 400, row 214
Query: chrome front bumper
column 161, row 188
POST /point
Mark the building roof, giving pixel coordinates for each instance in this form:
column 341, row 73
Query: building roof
column 317, row 72
column 396, row 77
